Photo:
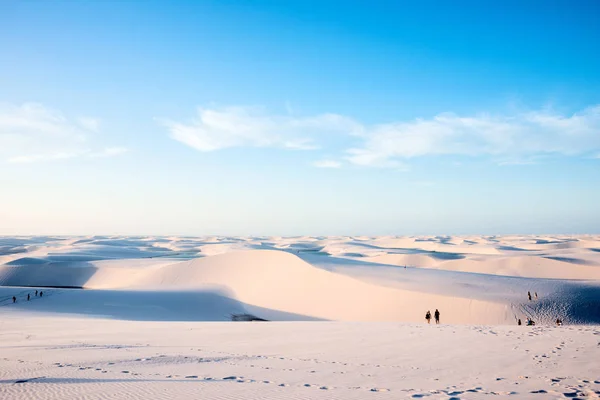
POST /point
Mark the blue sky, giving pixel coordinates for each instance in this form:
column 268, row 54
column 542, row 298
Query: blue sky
column 299, row 117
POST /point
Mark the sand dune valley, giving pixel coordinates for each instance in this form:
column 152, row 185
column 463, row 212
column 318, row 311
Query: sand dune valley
column 168, row 317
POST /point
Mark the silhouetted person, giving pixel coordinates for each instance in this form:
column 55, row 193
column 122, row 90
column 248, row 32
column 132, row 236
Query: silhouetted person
column 14, row 299
column 558, row 322
column 519, row 321
column 529, row 295
column 36, row 293
column 28, row 297
column 41, row 294
column 437, row 316
column 428, row 316
column 530, row 322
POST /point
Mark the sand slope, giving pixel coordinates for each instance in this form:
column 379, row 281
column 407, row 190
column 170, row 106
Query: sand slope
column 481, row 280
column 143, row 326
column 270, row 280
column 60, row 358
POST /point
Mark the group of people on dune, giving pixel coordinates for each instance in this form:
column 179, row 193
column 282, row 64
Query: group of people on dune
column 531, row 322
column 436, row 315
column 41, row 294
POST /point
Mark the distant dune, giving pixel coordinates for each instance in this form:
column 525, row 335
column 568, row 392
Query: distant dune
column 471, row 280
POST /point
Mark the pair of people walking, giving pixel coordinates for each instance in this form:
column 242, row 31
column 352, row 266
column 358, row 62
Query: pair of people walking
column 436, row 315
column 529, row 295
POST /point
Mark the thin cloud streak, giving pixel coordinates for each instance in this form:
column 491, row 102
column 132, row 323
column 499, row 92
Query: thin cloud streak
column 32, row 132
column 216, row 129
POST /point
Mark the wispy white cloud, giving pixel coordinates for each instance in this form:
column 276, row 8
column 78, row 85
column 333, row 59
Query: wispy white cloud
column 516, row 137
column 366, row 157
column 507, row 139
column 32, row 132
column 327, row 164
column 215, row 129
column 31, row 158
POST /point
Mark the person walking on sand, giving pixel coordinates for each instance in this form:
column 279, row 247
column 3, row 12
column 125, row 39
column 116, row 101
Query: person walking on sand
column 437, row 316
column 28, row 297
column 529, row 295
column 14, row 299
column 519, row 321
column 36, row 293
column 41, row 293
column 428, row 316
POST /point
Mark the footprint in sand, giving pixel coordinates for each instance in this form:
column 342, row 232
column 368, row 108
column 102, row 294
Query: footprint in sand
column 474, row 390
column 379, row 390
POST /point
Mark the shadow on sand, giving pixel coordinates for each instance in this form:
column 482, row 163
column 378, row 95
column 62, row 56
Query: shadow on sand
column 211, row 304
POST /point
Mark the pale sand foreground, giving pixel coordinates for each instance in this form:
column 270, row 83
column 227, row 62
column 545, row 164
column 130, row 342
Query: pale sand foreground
column 60, row 358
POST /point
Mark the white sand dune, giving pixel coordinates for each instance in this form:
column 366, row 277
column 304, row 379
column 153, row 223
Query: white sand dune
column 302, row 279
column 521, row 266
column 267, row 279
column 144, row 321
column 338, row 278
